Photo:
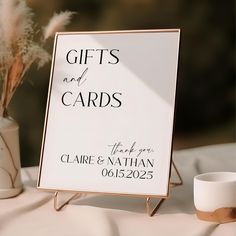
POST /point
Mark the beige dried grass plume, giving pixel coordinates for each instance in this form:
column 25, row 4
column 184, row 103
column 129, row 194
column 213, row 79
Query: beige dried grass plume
column 18, row 50
column 57, row 23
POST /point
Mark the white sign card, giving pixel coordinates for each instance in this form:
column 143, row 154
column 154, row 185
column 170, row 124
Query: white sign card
column 109, row 120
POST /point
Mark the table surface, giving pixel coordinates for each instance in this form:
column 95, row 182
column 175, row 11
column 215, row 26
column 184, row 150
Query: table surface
column 32, row 212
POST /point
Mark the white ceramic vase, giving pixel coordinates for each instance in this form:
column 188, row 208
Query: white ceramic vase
column 10, row 166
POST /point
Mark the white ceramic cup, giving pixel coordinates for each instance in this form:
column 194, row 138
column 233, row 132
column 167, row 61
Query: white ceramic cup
column 213, row 191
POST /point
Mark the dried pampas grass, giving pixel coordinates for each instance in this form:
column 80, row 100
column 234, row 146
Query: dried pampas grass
column 18, row 50
column 57, row 23
column 15, row 21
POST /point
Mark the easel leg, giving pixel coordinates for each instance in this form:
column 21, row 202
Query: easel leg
column 180, row 182
column 58, row 207
column 152, row 212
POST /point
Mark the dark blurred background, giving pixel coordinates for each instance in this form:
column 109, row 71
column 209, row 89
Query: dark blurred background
column 206, row 104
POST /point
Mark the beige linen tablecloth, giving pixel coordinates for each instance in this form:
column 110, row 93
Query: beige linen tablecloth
column 32, row 212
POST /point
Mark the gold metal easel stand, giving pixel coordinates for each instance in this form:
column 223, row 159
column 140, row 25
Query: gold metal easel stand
column 150, row 211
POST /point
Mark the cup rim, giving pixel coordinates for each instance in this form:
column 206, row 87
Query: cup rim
column 202, row 177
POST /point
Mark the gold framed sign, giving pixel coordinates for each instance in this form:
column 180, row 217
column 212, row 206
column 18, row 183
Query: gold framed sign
column 109, row 119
